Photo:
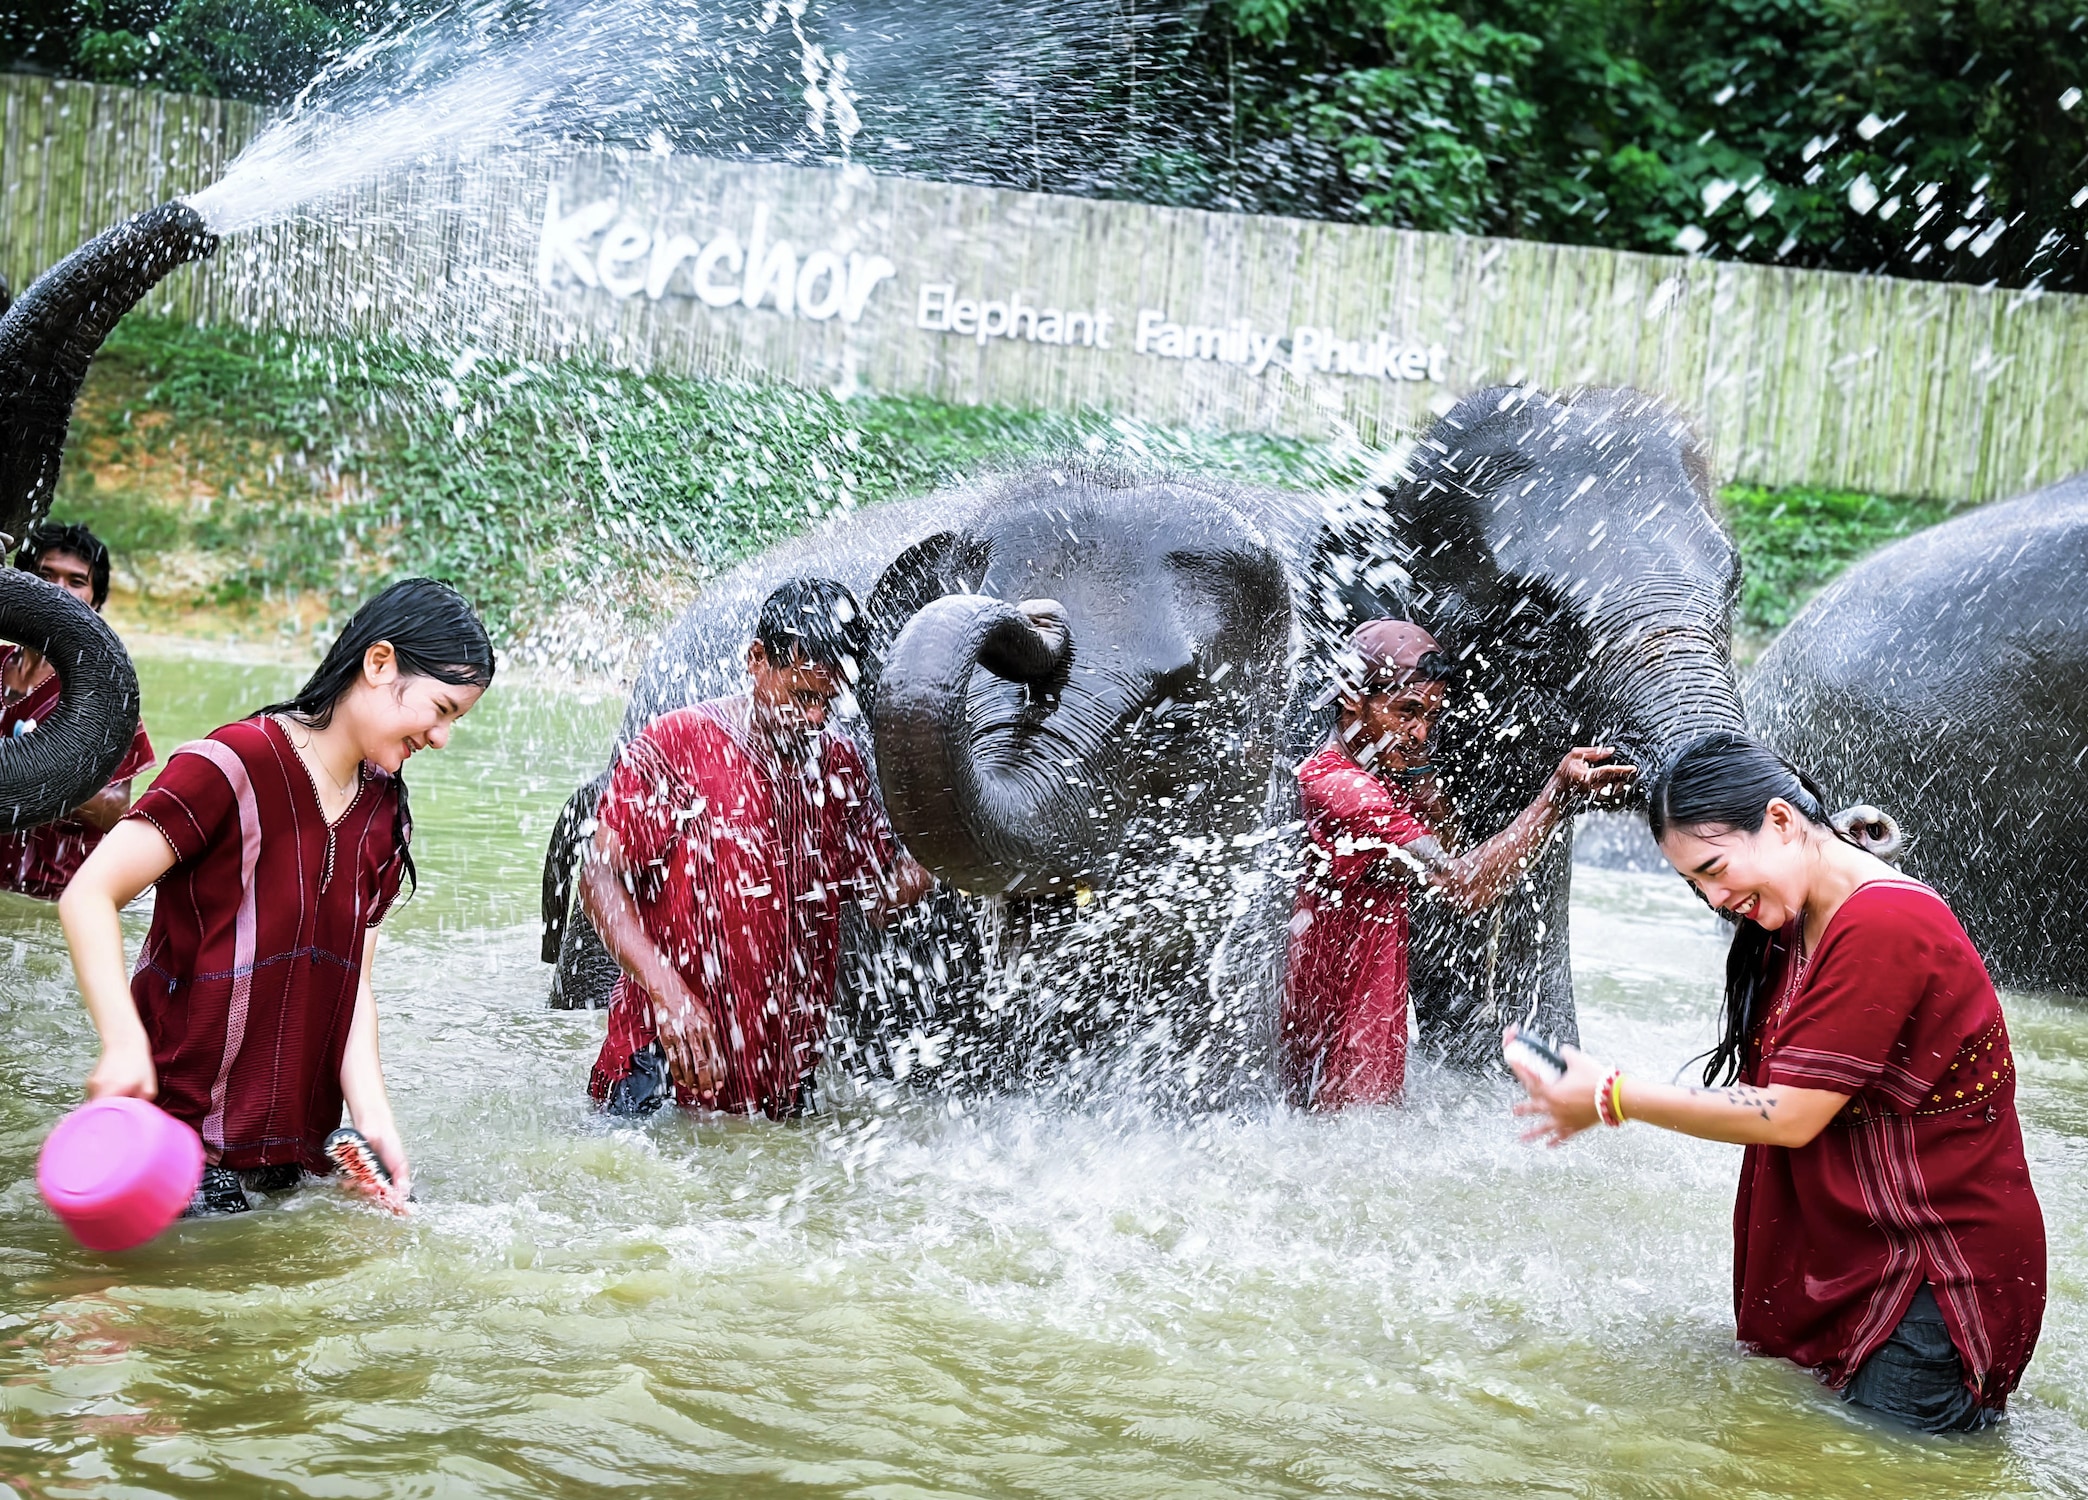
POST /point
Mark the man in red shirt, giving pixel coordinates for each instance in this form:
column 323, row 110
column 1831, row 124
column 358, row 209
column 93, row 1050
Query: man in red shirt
column 724, row 845
column 1374, row 813
column 41, row 861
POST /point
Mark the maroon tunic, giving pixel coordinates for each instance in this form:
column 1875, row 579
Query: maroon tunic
column 1344, row 1024
column 247, row 982
column 42, row 861
column 1921, row 1176
column 743, row 858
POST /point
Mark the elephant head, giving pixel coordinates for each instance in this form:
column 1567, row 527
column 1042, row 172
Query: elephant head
column 1565, row 552
column 1090, row 667
column 48, row 336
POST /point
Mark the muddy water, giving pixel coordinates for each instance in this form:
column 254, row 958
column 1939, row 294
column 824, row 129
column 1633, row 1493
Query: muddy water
column 914, row 1300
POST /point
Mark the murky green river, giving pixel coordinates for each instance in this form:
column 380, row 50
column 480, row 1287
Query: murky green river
column 908, row 1300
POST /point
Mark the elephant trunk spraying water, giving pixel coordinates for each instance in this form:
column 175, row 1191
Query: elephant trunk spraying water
column 48, row 337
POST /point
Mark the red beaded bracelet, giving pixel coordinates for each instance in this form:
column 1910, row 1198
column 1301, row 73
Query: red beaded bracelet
column 1607, row 1103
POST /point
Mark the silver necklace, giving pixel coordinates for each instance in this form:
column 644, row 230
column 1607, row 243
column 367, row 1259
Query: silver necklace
column 310, row 757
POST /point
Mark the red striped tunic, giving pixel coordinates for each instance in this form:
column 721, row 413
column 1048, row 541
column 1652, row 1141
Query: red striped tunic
column 1921, row 1177
column 247, row 981
column 741, row 857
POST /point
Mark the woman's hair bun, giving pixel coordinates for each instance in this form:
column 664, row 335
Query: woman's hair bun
column 1871, row 829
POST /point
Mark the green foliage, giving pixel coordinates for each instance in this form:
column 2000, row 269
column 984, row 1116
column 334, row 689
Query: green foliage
column 317, row 469
column 1794, row 540
column 1927, row 138
column 256, row 49
column 1916, row 137
column 324, row 469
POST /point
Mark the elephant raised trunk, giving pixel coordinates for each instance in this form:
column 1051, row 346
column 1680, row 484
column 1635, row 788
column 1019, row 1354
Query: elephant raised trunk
column 1663, row 676
column 48, row 336
column 983, row 821
column 51, row 333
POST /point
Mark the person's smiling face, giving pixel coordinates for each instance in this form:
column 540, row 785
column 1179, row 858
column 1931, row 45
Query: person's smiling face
column 1388, row 728
column 404, row 713
column 1761, row 876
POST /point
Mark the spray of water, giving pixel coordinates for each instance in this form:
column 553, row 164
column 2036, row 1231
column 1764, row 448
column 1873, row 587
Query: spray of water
column 1003, row 92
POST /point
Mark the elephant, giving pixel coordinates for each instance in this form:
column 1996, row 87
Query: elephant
column 1566, row 554
column 1051, row 777
column 1088, row 692
column 48, row 337
column 1945, row 680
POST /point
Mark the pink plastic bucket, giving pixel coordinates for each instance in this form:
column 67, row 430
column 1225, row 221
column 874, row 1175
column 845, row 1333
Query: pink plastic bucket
column 118, row 1171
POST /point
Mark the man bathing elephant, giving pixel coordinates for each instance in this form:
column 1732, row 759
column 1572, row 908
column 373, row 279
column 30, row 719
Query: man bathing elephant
column 728, row 837
column 1375, row 817
column 1051, row 760
column 1105, row 781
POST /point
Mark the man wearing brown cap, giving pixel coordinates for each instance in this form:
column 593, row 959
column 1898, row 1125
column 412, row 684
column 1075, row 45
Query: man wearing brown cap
column 1372, row 811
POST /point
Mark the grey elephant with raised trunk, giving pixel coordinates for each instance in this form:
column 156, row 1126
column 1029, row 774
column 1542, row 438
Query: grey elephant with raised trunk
column 1945, row 680
column 1087, row 696
column 48, row 338
column 1566, row 555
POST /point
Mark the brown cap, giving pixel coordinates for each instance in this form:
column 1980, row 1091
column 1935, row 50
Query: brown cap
column 1386, row 653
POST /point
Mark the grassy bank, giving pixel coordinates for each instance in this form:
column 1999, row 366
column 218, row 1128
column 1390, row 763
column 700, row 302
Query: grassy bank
column 253, row 472
column 282, row 480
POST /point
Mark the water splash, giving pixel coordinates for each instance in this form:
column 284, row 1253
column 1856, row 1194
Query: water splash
column 1009, row 91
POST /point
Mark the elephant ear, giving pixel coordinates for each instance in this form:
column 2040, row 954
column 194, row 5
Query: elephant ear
column 947, row 562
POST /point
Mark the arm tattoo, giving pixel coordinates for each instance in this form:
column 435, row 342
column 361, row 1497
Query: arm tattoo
column 1744, row 1096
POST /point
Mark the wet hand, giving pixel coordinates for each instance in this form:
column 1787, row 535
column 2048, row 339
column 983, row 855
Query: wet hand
column 694, row 1059
column 124, row 1072
column 383, row 1137
column 1582, row 778
column 1560, row 1106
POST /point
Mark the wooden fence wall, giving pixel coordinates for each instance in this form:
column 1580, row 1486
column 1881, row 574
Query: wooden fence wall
column 840, row 279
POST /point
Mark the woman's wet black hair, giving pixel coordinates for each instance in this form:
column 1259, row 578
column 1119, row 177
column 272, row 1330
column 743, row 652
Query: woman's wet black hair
column 1725, row 780
column 433, row 632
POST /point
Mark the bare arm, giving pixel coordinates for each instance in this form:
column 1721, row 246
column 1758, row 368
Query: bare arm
column 1739, row 1114
column 131, row 858
column 362, row 1077
column 105, row 809
column 685, row 1029
column 906, row 883
column 1480, row 876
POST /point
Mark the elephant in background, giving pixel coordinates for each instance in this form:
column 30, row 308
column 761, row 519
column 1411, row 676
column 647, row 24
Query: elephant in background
column 1945, row 680
column 48, row 337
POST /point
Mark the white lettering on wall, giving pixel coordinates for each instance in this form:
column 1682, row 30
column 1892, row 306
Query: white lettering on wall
column 629, row 258
column 940, row 310
column 1312, row 350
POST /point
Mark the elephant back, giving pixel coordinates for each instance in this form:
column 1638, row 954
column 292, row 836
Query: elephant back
column 1945, row 679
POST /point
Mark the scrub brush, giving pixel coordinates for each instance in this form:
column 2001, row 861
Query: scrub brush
column 356, row 1160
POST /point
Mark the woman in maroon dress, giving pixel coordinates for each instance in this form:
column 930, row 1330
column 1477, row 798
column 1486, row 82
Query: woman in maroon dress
column 278, row 844
column 1886, row 1234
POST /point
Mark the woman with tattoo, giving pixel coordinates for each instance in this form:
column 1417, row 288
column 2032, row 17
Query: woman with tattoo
column 1886, row 1235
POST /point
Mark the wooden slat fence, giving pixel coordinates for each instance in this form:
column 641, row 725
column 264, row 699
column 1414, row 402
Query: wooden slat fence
column 1900, row 387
